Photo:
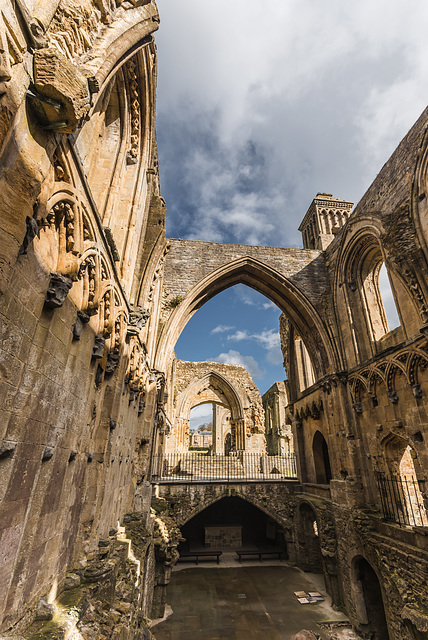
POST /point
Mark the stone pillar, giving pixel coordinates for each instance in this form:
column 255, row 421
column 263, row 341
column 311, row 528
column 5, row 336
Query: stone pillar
column 238, row 429
column 218, row 440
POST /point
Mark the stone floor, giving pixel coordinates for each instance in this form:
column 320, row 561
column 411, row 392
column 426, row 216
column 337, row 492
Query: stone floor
column 252, row 601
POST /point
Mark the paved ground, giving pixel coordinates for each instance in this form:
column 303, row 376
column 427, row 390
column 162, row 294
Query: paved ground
column 251, row 601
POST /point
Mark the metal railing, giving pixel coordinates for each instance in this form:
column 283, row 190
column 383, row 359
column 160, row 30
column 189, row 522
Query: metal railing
column 401, row 500
column 237, row 466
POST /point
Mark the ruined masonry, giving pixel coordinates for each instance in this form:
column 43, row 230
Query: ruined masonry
column 93, row 298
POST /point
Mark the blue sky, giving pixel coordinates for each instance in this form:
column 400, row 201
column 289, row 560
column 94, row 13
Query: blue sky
column 262, row 105
column 238, row 326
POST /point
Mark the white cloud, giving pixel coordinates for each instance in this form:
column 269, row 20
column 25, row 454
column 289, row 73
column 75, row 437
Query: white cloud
column 269, row 339
column 269, row 305
column 221, row 328
column 261, row 106
column 200, row 415
column 239, row 335
column 248, row 362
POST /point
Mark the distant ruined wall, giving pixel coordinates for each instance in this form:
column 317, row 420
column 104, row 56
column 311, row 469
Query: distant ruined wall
column 229, row 385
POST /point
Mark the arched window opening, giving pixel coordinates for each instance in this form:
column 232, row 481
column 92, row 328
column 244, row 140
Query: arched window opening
column 237, row 326
column 308, row 541
column 321, row 459
column 371, row 292
column 393, row 321
column 401, row 497
column 297, row 360
column 370, row 608
column 371, row 295
column 210, row 426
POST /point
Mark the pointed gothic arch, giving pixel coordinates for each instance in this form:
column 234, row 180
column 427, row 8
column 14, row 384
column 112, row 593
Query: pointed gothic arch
column 214, row 388
column 270, row 283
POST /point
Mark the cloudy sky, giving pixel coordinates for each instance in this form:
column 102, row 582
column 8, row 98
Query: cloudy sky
column 263, row 104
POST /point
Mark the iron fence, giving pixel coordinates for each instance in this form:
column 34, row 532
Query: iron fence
column 401, row 500
column 196, row 467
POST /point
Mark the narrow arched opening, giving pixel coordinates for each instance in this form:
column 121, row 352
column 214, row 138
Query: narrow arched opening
column 321, row 459
column 201, row 428
column 401, row 498
column 308, row 540
column 371, row 611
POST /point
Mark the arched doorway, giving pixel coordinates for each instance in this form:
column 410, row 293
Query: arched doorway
column 321, row 459
column 370, row 607
column 232, row 523
column 228, row 397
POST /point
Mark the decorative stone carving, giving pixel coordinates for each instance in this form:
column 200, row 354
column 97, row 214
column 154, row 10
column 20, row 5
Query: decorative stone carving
column 58, row 82
column 31, row 232
column 63, row 212
column 106, row 313
column 98, row 348
column 59, row 286
column 112, row 362
column 417, row 390
column 393, row 397
column 81, row 320
column 415, row 289
column 88, row 271
column 138, row 319
column 358, row 407
column 134, row 100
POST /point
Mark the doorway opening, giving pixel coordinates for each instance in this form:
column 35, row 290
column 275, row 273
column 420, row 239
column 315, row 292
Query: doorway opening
column 372, row 612
column 232, row 523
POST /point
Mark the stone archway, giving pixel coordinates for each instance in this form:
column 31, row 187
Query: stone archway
column 281, row 279
column 226, row 386
column 368, row 599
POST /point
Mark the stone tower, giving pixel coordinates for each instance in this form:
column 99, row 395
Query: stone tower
column 323, row 220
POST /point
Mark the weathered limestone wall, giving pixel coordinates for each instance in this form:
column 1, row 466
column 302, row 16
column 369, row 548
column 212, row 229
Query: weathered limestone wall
column 189, row 261
column 77, row 185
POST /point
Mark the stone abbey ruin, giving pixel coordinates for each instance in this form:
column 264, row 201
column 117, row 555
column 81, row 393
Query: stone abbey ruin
column 93, row 402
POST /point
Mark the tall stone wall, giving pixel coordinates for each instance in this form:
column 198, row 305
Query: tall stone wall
column 79, row 192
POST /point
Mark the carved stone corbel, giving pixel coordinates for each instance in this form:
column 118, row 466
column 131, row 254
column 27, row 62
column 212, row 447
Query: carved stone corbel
column 58, row 289
column 112, row 362
column 137, row 320
column 81, row 320
column 98, row 348
column 61, row 96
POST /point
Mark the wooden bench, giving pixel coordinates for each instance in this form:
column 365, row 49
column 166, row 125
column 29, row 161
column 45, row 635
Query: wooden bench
column 200, row 554
column 259, row 552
